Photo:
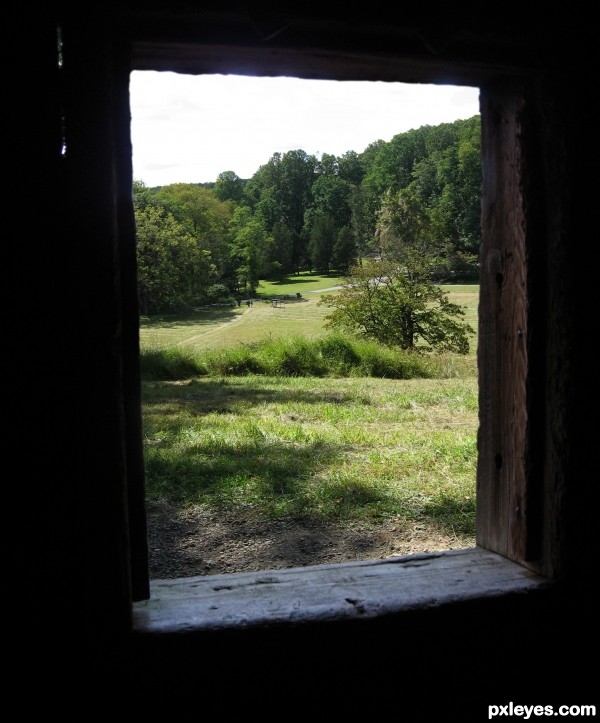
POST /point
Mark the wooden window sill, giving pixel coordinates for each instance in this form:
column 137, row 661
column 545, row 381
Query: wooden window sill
column 329, row 592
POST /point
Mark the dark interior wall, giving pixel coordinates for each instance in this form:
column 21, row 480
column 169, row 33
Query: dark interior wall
column 75, row 394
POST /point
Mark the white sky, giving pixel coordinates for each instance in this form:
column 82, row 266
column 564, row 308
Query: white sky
column 188, row 129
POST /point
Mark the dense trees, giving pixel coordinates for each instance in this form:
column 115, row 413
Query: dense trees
column 229, row 187
column 419, row 190
column 249, row 248
column 321, row 241
column 172, row 268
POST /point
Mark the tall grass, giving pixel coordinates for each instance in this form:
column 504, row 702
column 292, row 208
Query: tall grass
column 334, row 355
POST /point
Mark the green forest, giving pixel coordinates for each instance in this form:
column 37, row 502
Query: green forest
column 209, row 243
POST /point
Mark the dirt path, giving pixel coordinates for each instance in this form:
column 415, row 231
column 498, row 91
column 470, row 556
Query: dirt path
column 240, row 317
column 231, row 322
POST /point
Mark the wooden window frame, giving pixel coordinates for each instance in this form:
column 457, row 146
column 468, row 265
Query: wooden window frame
column 511, row 550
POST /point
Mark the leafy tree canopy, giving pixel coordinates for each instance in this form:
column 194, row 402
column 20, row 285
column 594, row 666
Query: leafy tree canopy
column 172, row 269
column 419, row 191
column 229, row 187
column 397, row 304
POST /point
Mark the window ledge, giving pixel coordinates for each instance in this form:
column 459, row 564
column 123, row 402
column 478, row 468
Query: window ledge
column 329, row 592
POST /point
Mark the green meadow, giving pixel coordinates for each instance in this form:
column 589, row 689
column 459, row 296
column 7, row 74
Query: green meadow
column 263, row 409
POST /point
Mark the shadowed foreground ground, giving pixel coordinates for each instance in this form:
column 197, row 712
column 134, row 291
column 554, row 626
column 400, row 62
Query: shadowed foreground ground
column 200, row 542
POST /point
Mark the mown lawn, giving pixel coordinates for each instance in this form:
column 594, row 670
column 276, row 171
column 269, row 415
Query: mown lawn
column 212, row 328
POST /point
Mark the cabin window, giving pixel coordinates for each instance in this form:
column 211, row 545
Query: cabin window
column 507, row 499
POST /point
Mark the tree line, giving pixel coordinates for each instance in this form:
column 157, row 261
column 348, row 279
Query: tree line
column 207, row 243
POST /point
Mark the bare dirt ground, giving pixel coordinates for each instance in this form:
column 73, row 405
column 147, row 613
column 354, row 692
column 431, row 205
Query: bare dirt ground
column 197, row 542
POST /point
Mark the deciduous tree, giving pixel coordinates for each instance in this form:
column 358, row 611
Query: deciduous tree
column 172, row 270
column 397, row 304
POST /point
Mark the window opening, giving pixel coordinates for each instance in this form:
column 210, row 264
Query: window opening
column 267, row 444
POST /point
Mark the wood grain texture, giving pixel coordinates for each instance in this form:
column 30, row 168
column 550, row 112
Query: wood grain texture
column 329, row 592
column 503, row 327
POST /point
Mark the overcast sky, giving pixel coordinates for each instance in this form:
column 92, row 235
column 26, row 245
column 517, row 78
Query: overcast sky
column 191, row 128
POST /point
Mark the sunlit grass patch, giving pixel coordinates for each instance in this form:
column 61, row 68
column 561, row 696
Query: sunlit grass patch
column 328, row 449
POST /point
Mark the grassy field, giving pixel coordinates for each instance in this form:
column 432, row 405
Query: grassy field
column 303, row 283
column 325, row 449
column 211, row 328
column 349, row 448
